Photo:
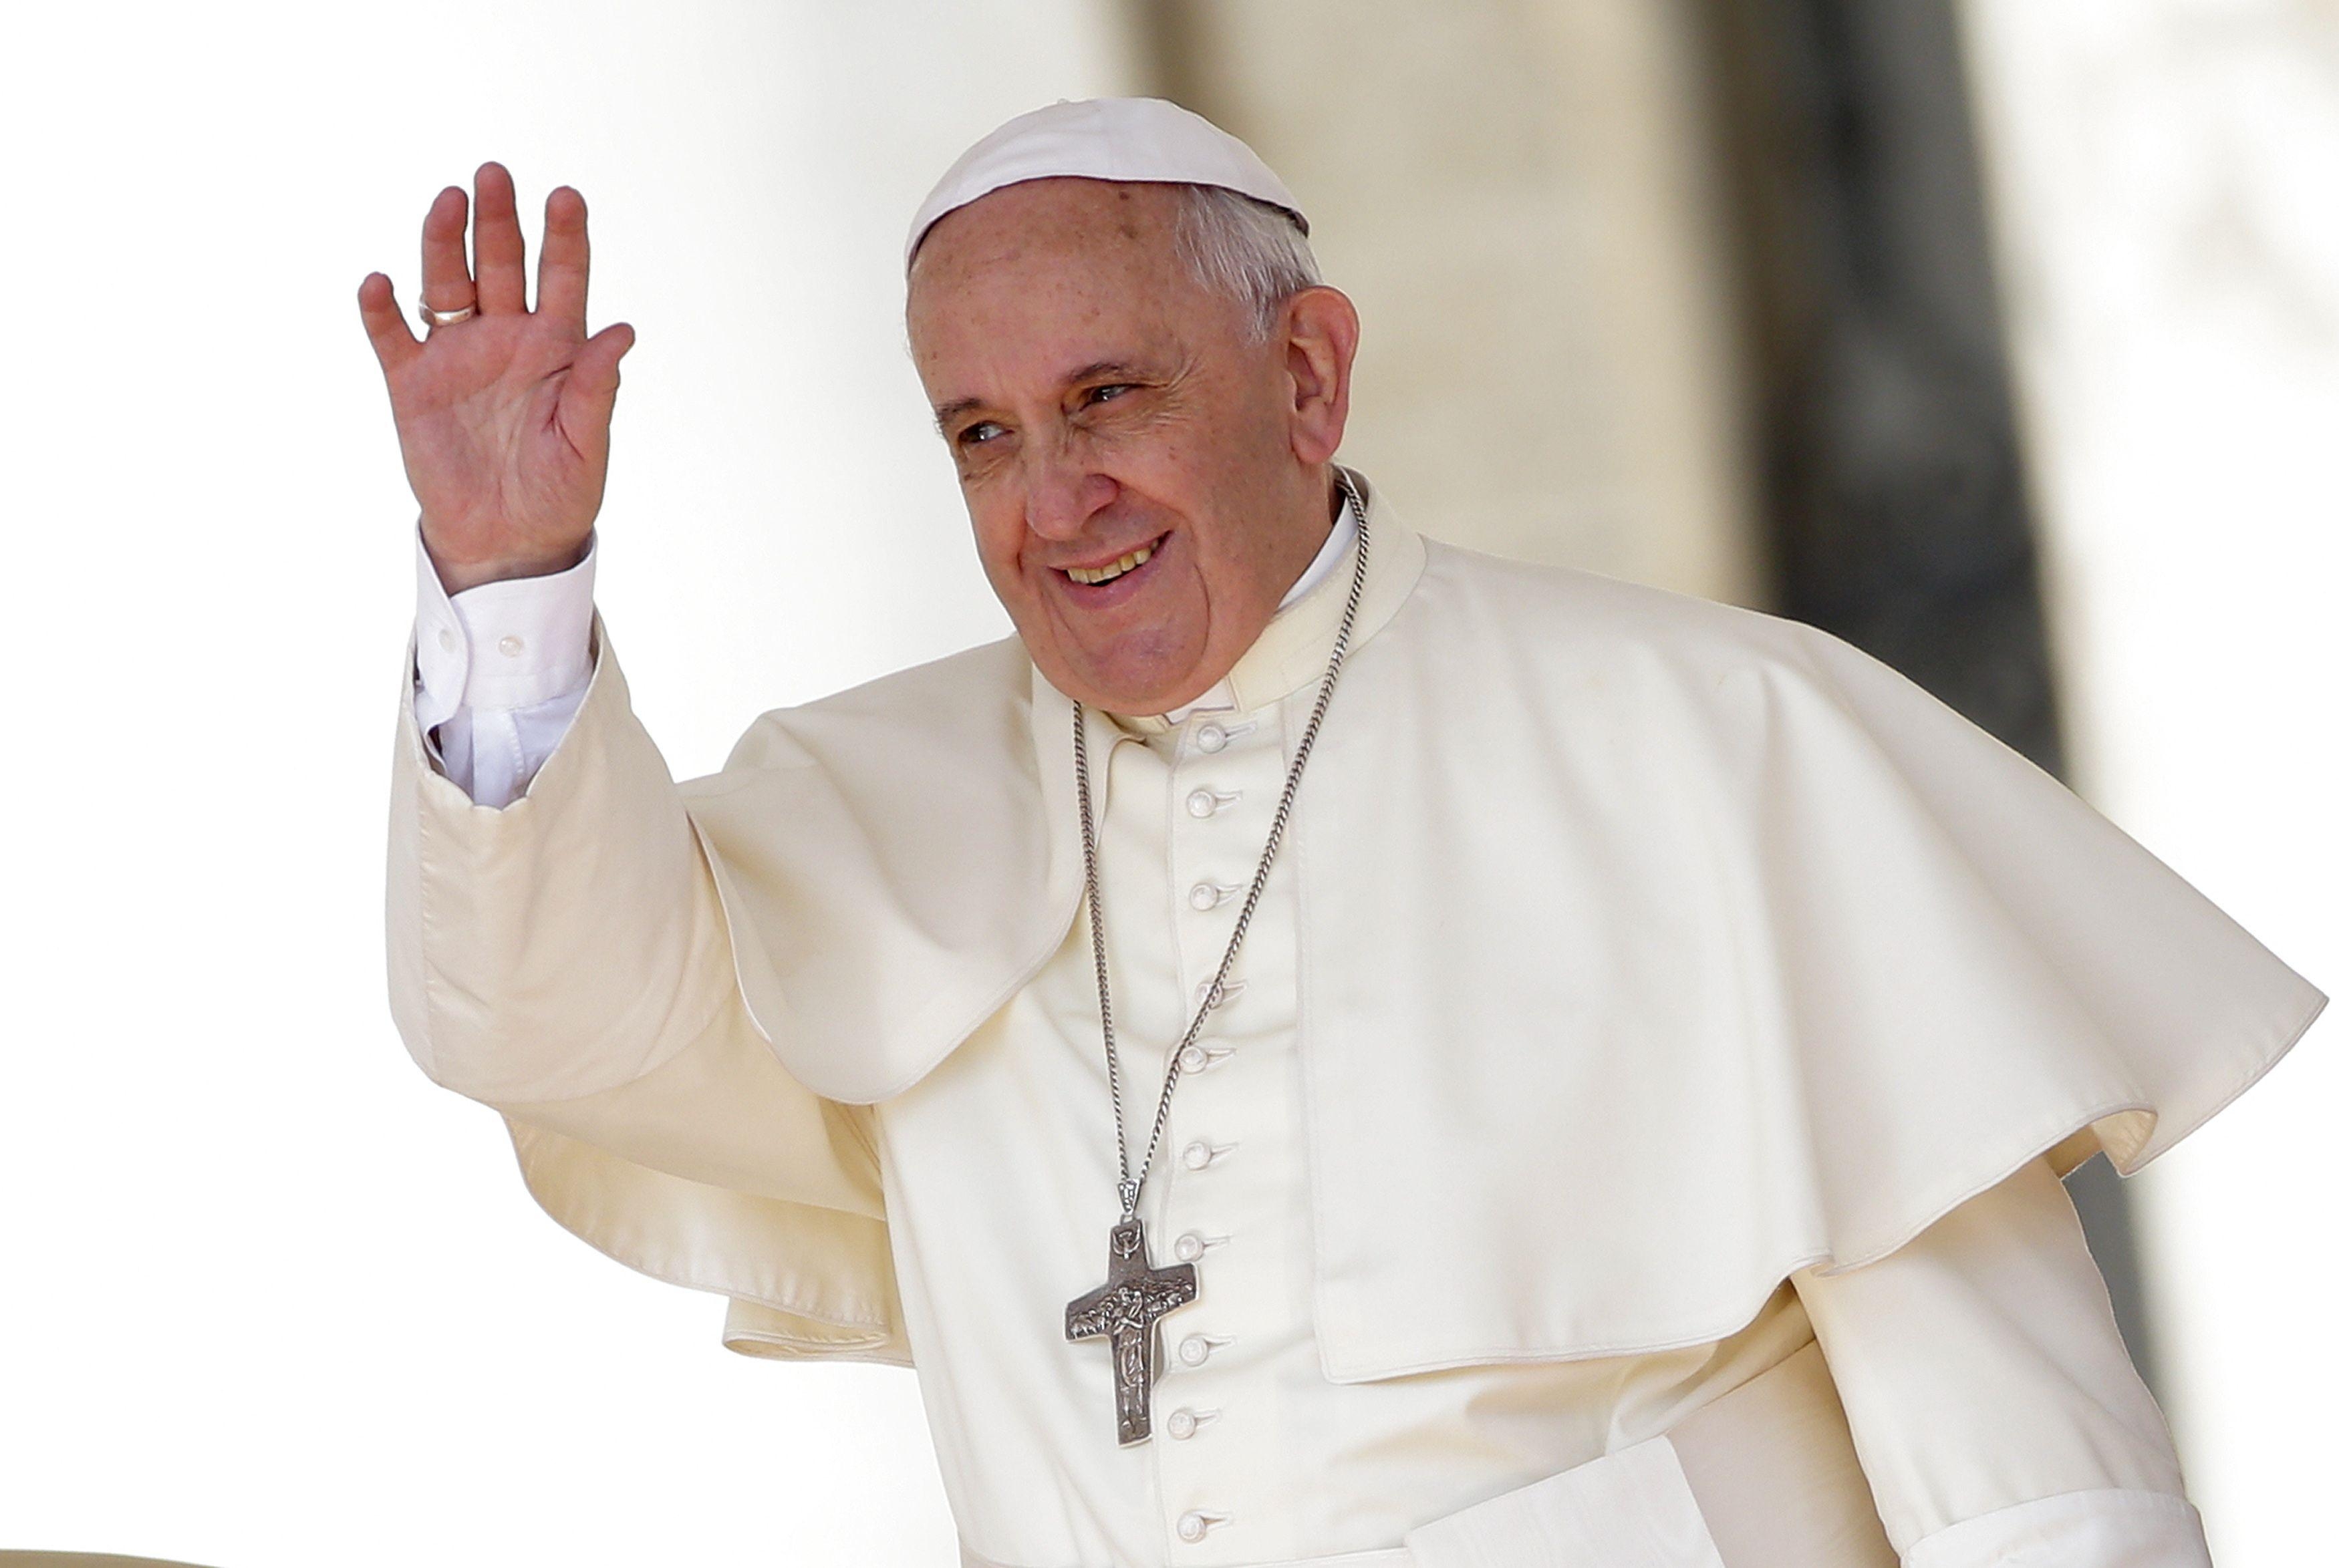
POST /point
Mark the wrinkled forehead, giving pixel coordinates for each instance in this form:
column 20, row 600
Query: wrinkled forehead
column 1100, row 223
column 1050, row 259
column 1020, row 288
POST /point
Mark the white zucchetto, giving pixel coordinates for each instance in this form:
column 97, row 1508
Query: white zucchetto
column 1121, row 139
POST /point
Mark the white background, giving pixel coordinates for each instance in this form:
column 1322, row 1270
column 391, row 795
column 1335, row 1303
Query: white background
column 2167, row 180
column 267, row 1298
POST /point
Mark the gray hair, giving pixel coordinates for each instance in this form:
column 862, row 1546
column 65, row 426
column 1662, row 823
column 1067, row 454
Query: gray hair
column 1249, row 251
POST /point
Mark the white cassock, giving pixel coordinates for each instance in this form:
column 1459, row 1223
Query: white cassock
column 1632, row 1139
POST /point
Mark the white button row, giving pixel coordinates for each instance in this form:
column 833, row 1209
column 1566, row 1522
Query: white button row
column 1195, row 1349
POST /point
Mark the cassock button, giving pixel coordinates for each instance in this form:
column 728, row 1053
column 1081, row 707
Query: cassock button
column 1227, row 993
column 1201, row 802
column 1211, row 738
column 1191, row 1247
column 510, row 648
column 1205, row 895
column 1181, row 1425
column 1198, row 1154
column 446, row 640
column 1193, row 1058
column 1193, row 1350
column 1192, row 1527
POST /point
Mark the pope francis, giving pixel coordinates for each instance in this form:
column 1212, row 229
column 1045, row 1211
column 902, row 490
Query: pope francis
column 1323, row 1048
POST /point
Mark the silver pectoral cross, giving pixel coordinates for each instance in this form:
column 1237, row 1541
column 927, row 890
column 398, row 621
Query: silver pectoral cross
column 1129, row 1308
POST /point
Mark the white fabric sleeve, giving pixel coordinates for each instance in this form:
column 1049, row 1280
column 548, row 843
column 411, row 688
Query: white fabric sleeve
column 1991, row 1400
column 569, row 962
column 499, row 670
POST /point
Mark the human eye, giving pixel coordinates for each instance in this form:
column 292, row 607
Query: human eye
column 980, row 432
column 1108, row 391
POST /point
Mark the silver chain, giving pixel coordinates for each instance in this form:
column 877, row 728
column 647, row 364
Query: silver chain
column 1131, row 1186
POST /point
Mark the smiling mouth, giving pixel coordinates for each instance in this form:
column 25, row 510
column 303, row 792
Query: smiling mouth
column 1097, row 576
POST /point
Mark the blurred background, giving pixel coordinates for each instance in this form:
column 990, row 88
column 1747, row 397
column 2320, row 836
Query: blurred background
column 1998, row 335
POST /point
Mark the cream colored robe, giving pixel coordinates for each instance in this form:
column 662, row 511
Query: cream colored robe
column 1741, row 955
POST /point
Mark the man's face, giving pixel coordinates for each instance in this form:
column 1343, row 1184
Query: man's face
column 1145, row 480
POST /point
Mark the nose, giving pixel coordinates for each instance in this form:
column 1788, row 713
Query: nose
column 1061, row 494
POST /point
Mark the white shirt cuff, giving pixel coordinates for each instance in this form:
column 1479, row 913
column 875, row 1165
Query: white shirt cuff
column 501, row 645
column 2094, row 1529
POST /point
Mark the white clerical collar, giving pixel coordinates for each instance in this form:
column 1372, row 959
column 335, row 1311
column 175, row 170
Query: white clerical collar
column 1334, row 550
column 1336, row 545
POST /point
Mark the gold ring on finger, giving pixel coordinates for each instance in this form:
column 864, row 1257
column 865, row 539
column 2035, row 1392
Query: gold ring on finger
column 446, row 318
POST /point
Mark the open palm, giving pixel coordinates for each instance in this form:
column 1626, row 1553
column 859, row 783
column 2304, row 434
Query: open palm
column 503, row 417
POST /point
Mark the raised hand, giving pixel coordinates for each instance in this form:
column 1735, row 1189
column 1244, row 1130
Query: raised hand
column 504, row 418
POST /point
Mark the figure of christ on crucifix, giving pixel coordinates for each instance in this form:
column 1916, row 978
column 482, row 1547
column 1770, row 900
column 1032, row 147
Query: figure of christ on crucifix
column 1130, row 1306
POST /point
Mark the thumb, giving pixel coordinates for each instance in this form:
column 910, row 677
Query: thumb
column 591, row 392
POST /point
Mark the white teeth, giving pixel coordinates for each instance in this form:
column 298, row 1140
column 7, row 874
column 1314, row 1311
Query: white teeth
column 1129, row 563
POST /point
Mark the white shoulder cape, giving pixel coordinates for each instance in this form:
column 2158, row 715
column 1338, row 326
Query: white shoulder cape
column 1649, row 950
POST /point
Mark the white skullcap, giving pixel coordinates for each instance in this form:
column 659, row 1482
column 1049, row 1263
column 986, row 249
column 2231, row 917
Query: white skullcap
column 1122, row 139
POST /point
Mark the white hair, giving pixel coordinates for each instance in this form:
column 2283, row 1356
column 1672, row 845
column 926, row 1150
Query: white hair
column 1249, row 251
column 1244, row 250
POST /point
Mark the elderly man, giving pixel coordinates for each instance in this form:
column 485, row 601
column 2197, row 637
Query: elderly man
column 1323, row 1048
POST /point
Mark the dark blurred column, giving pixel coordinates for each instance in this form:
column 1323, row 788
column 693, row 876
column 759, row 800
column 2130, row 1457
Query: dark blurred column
column 1892, row 480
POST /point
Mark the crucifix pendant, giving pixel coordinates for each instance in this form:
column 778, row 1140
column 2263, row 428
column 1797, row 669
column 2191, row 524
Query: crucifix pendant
column 1127, row 1308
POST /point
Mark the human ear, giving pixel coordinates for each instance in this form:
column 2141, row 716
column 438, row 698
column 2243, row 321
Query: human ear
column 1319, row 334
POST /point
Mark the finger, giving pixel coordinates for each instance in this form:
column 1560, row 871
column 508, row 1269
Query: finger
column 446, row 276
column 385, row 324
column 560, row 271
column 591, row 393
column 496, row 249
